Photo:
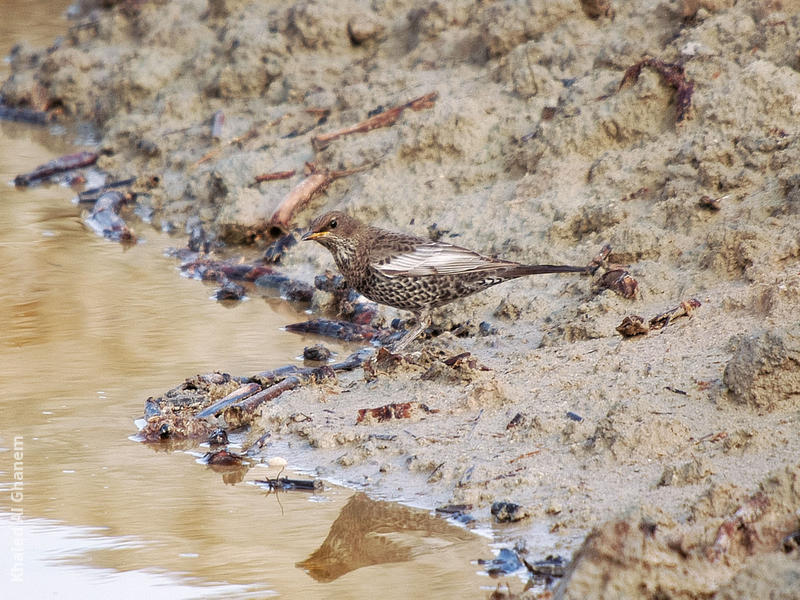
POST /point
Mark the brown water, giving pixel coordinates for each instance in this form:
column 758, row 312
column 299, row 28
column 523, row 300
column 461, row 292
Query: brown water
column 88, row 330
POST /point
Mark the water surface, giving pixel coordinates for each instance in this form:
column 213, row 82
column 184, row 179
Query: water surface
column 88, row 330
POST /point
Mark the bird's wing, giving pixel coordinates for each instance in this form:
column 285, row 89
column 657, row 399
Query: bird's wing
column 433, row 258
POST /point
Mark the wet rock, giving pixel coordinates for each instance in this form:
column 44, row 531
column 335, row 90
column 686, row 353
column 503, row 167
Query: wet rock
column 290, row 289
column 223, row 458
column 317, row 352
column 506, row 562
column 764, row 371
column 275, row 252
column 106, row 221
column 509, row 512
column 218, row 437
column 330, row 282
column 549, row 567
column 485, row 328
column 230, row 290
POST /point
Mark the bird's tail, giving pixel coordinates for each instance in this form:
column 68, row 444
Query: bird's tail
column 539, row 269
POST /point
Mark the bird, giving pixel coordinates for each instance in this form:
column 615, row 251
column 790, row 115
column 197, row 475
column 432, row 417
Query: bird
column 410, row 272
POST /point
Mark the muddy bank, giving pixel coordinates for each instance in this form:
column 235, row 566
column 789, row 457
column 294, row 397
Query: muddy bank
column 691, row 177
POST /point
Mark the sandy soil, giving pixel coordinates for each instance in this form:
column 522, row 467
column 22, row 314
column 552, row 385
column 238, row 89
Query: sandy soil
column 533, row 152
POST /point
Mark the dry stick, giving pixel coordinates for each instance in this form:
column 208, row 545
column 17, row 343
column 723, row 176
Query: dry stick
column 601, row 257
column 238, row 394
column 526, row 455
column 685, row 308
column 382, row 119
column 274, row 176
column 301, row 194
column 241, row 413
column 58, row 165
column 23, row 115
column 92, row 194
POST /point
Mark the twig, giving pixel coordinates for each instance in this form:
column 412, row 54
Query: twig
column 274, row 176
column 24, row 115
column 685, row 308
column 61, row 164
column 92, row 194
column 600, row 258
column 238, row 394
column 316, row 181
column 526, row 455
column 243, row 412
column 635, row 325
column 382, row 119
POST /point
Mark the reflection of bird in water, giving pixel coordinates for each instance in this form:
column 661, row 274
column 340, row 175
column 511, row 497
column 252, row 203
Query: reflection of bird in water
column 412, row 273
column 361, row 536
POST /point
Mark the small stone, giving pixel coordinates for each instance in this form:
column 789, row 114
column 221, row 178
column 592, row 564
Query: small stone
column 508, row 512
column 218, row 437
column 553, row 509
column 361, row 28
column 486, row 328
column 230, row 291
column 317, row 353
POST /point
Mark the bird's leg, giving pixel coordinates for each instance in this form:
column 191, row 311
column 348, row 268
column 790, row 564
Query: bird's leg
column 423, row 321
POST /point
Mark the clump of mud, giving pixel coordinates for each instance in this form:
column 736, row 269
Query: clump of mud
column 764, row 371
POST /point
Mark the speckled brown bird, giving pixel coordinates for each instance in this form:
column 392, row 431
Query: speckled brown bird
column 410, row 272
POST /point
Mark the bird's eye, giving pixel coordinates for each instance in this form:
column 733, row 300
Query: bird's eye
column 332, row 224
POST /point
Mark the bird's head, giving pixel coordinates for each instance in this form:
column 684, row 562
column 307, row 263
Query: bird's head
column 332, row 228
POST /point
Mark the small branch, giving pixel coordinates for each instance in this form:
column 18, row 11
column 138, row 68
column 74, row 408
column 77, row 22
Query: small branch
column 382, row 119
column 274, row 176
column 238, row 394
column 92, row 194
column 243, row 412
column 61, row 164
column 316, row 181
column 634, row 324
column 24, row 115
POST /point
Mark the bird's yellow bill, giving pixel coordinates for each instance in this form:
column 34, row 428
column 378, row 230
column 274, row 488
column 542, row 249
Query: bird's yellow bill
column 313, row 235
